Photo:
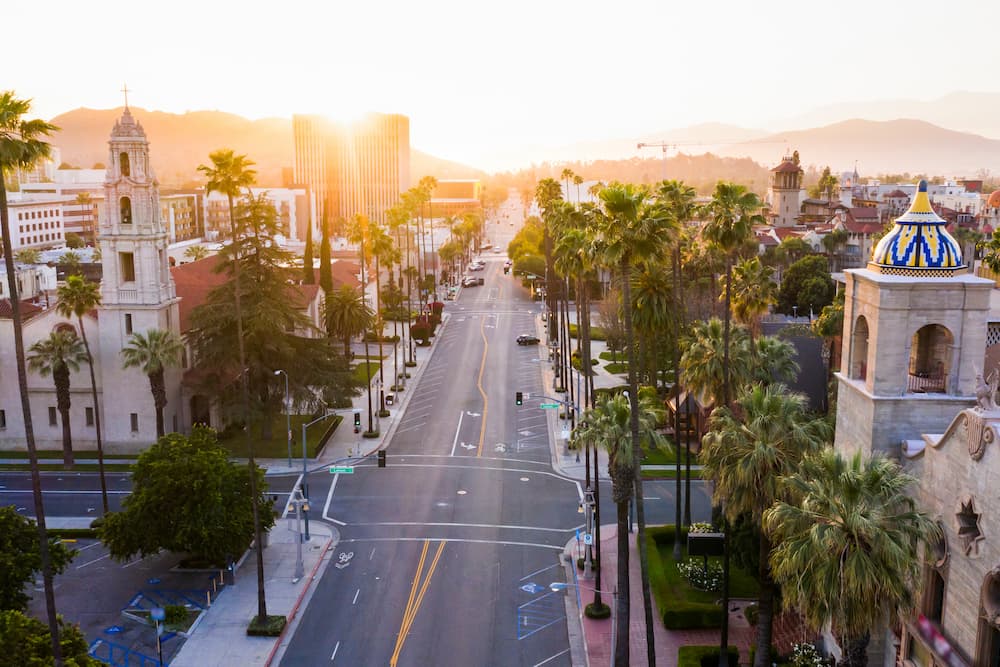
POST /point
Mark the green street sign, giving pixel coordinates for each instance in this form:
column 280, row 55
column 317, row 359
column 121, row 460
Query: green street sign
column 548, row 406
column 341, row 470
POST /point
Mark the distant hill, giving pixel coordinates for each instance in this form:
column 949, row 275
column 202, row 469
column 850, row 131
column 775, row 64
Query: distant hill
column 902, row 145
column 180, row 142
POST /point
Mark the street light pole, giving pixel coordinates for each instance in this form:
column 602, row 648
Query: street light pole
column 300, row 505
column 288, row 417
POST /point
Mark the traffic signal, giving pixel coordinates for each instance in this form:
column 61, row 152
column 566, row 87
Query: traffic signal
column 381, row 458
column 357, row 419
column 519, row 398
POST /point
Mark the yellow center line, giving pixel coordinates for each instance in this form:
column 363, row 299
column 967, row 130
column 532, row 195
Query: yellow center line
column 413, row 605
column 479, row 383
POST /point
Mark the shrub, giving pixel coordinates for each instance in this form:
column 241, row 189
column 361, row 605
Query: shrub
column 704, row 656
column 677, row 613
column 175, row 614
column 702, row 578
column 592, row 611
column 421, row 331
column 437, row 308
column 270, row 626
column 596, row 333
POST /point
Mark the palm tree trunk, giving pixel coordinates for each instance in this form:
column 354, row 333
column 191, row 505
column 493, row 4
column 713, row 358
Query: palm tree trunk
column 677, row 401
column 640, row 513
column 724, row 642
column 622, row 613
column 159, row 391
column 381, row 327
column 855, row 651
column 60, row 376
column 597, row 531
column 368, row 366
column 765, row 604
column 97, row 417
column 29, row 431
column 245, row 389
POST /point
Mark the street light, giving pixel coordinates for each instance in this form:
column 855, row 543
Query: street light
column 557, row 586
column 288, row 416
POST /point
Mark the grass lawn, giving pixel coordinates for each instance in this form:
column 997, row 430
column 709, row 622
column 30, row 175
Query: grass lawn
column 277, row 446
column 361, row 374
column 660, row 455
column 616, row 369
column 741, row 584
column 612, row 356
column 596, row 333
column 670, row 474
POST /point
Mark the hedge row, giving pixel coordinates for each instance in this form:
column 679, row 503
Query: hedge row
column 704, row 656
column 677, row 613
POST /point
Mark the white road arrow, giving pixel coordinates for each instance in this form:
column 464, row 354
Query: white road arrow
column 465, row 446
column 473, row 414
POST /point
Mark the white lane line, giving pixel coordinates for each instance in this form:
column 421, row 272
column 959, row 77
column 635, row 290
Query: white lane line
column 467, row 525
column 409, row 428
column 372, row 554
column 505, row 543
column 551, row 658
column 329, row 498
column 335, row 648
column 356, row 594
column 91, row 562
column 457, row 429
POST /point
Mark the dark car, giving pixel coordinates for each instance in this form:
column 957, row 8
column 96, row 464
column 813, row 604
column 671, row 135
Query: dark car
column 527, row 339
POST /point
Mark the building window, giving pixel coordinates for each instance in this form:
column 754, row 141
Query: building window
column 123, row 163
column 53, row 417
column 90, row 417
column 128, row 324
column 930, row 352
column 3, row 419
column 134, row 421
column 125, row 206
column 128, row 266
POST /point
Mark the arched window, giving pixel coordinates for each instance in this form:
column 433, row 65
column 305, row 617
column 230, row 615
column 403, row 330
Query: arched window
column 930, row 360
column 859, row 349
column 65, row 326
column 123, row 164
column 126, row 210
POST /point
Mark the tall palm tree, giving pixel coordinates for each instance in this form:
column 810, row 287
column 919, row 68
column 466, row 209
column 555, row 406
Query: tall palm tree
column 754, row 292
column 359, row 231
column 59, row 355
column 347, row 315
column 609, row 425
column 78, row 297
column 231, row 174
column 848, row 547
column 22, row 145
column 85, row 202
column 747, row 453
column 636, row 232
column 196, row 253
column 152, row 353
column 383, row 250
column 426, row 188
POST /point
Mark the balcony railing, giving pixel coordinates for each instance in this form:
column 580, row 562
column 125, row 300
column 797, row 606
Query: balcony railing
column 926, row 383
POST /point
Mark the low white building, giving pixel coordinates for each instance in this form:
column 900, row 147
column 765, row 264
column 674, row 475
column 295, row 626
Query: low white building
column 36, row 222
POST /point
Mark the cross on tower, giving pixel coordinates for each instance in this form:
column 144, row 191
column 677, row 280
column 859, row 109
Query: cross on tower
column 125, row 90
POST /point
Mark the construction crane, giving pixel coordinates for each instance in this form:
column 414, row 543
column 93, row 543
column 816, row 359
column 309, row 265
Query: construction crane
column 668, row 145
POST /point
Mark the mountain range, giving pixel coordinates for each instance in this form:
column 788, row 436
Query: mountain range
column 180, row 142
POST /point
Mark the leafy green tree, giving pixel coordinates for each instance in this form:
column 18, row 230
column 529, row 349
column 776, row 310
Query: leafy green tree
column 636, row 231
column 609, row 426
column 74, row 241
column 60, row 355
column 196, row 252
column 806, row 284
column 747, row 453
column 530, row 264
column 826, row 187
column 848, row 547
column 77, row 297
column 325, row 267
column 20, row 559
column 28, row 642
column 529, row 240
column 187, row 497
column 794, row 248
column 152, row 353
column 991, row 252
column 22, row 145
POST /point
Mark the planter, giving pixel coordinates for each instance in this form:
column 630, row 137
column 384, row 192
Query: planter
column 706, row 544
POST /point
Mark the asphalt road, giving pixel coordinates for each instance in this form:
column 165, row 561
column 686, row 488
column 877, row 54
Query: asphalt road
column 436, row 546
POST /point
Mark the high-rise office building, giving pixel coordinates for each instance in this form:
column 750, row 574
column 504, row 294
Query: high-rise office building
column 349, row 168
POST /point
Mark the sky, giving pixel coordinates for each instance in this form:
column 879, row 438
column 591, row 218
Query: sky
column 488, row 84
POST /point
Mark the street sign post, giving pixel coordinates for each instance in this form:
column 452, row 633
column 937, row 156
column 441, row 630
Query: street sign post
column 341, row 470
column 548, row 406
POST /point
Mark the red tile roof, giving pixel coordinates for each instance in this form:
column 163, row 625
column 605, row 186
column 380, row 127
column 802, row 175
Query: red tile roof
column 786, row 167
column 28, row 309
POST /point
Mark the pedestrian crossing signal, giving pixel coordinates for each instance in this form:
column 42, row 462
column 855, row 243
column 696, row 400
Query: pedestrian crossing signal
column 381, row 458
column 519, row 398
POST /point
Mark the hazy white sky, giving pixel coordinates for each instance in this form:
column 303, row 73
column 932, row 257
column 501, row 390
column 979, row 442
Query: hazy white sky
column 482, row 82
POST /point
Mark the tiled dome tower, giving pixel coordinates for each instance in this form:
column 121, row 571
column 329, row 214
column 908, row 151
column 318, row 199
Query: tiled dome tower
column 918, row 245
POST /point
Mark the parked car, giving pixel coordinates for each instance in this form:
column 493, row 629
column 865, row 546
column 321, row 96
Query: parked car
column 527, row 339
column 470, row 282
column 480, row 281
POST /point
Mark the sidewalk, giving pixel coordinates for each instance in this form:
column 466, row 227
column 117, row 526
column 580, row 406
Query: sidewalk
column 598, row 633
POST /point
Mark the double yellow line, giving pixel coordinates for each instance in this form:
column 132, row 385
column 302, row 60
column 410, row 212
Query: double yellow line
column 415, row 599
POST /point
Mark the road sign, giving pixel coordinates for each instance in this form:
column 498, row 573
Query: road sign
column 588, row 538
column 548, row 406
column 341, row 470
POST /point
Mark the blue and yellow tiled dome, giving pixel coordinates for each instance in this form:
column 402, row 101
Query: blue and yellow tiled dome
column 918, row 245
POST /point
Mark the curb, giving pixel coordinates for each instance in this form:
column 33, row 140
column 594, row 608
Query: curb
column 579, row 655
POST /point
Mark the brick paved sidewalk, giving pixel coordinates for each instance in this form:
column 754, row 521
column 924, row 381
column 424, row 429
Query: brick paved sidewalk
column 598, row 634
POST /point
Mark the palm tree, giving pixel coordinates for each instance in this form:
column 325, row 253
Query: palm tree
column 231, row 174
column 747, row 453
column 347, row 315
column 85, row 201
column 59, row 355
column 382, row 249
column 636, row 232
column 359, row 231
column 610, row 425
column 848, row 547
column 754, row 292
column 152, row 353
column 21, row 146
column 78, row 297
column 196, row 252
